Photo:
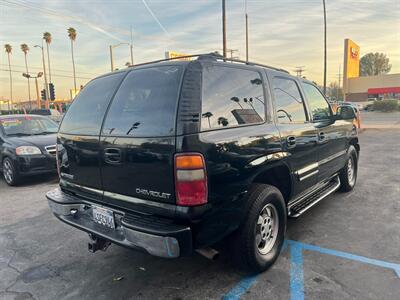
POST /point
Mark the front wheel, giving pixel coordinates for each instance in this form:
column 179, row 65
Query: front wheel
column 348, row 175
column 10, row 172
column 258, row 241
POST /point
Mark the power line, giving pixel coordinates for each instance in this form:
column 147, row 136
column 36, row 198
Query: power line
column 40, row 68
column 299, row 70
column 55, row 75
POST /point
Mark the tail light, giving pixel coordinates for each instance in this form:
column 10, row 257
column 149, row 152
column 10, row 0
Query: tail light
column 190, row 179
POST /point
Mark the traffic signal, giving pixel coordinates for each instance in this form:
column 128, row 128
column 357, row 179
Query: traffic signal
column 43, row 93
column 52, row 92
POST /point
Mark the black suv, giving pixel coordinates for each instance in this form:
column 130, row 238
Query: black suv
column 173, row 156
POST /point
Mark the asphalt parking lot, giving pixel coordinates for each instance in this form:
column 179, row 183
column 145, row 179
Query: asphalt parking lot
column 347, row 247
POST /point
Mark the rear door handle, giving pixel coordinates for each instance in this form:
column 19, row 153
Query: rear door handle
column 112, row 155
column 291, row 141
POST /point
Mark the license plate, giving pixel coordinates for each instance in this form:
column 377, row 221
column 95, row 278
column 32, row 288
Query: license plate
column 103, row 216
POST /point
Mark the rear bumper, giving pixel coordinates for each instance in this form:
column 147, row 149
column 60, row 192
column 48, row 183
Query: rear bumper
column 158, row 237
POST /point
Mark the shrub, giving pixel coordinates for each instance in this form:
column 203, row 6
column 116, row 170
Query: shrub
column 386, row 105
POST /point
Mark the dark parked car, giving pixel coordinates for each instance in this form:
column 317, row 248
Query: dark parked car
column 172, row 157
column 27, row 146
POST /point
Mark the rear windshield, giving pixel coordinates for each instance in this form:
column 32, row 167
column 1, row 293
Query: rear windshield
column 145, row 104
column 28, row 125
column 87, row 111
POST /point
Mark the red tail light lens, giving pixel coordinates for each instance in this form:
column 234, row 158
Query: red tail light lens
column 190, row 179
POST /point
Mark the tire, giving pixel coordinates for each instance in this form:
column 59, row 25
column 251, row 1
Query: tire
column 251, row 252
column 10, row 172
column 348, row 175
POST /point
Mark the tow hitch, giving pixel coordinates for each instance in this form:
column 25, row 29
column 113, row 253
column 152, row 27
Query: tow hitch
column 97, row 243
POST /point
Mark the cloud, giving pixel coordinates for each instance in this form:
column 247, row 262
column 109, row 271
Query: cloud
column 284, row 33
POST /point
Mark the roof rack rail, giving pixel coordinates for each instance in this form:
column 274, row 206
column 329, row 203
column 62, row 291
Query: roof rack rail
column 172, row 58
column 214, row 55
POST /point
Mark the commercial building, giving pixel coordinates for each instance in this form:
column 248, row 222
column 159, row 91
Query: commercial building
column 358, row 88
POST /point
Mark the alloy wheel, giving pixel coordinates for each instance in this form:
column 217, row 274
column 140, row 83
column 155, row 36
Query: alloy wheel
column 267, row 228
column 8, row 171
column 351, row 172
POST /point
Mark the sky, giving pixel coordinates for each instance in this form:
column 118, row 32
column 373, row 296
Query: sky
column 284, row 33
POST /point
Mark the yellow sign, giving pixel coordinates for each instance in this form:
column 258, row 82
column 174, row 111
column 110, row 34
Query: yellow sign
column 351, row 59
column 172, row 54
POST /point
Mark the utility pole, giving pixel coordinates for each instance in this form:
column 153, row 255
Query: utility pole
column 223, row 29
column 299, row 70
column 323, row 1
column 247, row 32
column 231, row 51
column 111, row 58
column 131, row 47
column 339, row 78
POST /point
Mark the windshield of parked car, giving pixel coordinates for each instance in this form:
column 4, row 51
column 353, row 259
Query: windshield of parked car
column 27, row 125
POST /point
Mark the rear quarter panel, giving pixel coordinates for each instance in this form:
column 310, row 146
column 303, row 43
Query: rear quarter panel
column 228, row 153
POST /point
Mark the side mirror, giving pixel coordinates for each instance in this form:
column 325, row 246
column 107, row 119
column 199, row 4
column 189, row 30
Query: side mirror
column 345, row 113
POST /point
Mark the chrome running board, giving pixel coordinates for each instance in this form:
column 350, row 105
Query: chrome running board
column 300, row 206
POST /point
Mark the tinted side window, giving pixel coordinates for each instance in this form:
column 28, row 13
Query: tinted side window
column 288, row 101
column 319, row 107
column 145, row 104
column 87, row 111
column 231, row 97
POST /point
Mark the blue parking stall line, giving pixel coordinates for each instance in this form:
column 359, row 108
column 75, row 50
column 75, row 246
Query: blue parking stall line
column 296, row 271
column 359, row 258
column 246, row 283
column 242, row 287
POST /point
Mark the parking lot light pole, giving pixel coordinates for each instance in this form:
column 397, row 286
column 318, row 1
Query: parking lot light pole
column 45, row 77
column 40, row 74
column 112, row 56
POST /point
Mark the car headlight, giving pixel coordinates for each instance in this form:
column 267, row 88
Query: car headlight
column 28, row 150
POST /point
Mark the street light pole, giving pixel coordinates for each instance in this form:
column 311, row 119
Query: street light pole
column 247, row 33
column 45, row 76
column 27, row 75
column 111, row 53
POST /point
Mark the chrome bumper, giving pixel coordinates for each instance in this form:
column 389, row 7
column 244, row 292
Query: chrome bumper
column 79, row 214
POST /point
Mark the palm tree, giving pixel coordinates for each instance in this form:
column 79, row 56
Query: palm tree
column 236, row 99
column 25, row 49
column 47, row 37
column 207, row 115
column 8, row 49
column 72, row 36
column 223, row 121
column 249, row 102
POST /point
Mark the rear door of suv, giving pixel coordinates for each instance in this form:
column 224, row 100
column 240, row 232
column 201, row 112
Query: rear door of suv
column 138, row 138
column 78, row 137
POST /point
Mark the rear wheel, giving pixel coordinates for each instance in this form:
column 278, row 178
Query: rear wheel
column 10, row 172
column 348, row 175
column 259, row 240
